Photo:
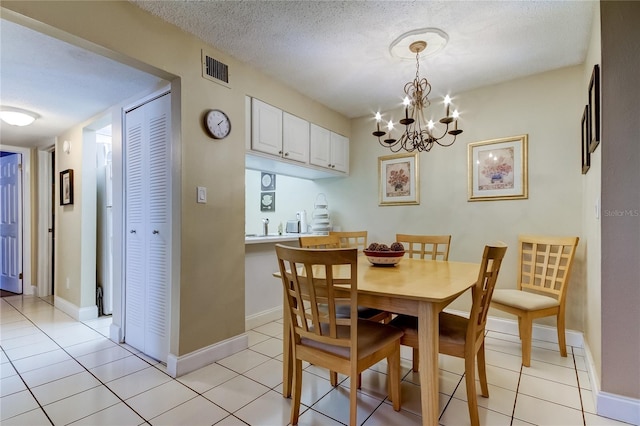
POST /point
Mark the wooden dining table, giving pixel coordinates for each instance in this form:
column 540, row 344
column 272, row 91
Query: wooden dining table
column 421, row 288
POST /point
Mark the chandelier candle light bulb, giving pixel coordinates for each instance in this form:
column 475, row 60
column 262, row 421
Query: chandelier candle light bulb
column 415, row 137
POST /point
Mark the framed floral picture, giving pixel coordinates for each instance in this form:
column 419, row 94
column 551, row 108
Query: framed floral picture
column 398, row 180
column 66, row 187
column 498, row 169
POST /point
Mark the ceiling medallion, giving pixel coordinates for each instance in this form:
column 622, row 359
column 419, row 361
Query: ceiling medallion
column 419, row 134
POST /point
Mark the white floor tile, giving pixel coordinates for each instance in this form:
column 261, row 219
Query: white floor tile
column 312, row 418
column 550, row 391
column 196, row 411
column 500, row 400
column 11, row 384
column 255, row 337
column 47, row 359
column 269, row 409
column 540, row 412
column 119, row 414
column 44, row 375
column 7, row 370
column 160, row 399
column 385, row 415
column 15, row 404
column 25, row 340
column 119, row 368
column 272, row 329
column 268, row 374
column 336, row 405
column 235, row 393
column 271, row 347
column 208, row 377
column 80, row 405
column 457, row 414
column 30, row 350
column 551, row 372
column 62, row 388
column 593, row 420
column 30, row 418
column 90, row 347
column 138, row 382
column 104, row 356
column 243, row 361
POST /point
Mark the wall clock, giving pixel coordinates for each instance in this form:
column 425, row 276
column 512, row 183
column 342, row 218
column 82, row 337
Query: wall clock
column 217, row 124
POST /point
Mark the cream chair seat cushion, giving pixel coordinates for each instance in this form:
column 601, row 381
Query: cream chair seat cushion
column 523, row 299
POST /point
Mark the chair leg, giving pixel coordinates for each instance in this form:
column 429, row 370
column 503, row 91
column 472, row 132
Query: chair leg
column 525, row 336
column 297, row 391
column 333, row 377
column 562, row 343
column 353, row 406
column 482, row 371
column 416, row 359
column 472, row 399
column 393, row 363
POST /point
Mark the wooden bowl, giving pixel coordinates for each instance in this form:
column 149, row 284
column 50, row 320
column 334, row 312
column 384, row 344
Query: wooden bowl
column 384, row 258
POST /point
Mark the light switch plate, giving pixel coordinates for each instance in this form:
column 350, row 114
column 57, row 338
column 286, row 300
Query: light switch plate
column 202, row 195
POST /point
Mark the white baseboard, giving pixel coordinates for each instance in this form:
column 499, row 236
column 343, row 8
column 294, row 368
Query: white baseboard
column 77, row 313
column 610, row 405
column 262, row 318
column 540, row 332
column 181, row 365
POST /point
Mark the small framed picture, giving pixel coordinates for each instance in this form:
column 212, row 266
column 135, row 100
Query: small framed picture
column 66, row 187
column 267, row 182
column 586, row 140
column 594, row 109
column 498, row 169
column 267, row 201
column 398, row 179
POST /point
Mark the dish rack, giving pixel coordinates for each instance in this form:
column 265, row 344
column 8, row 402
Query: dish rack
column 321, row 222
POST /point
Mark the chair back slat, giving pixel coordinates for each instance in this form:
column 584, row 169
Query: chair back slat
column 545, row 264
column 482, row 291
column 357, row 239
column 434, row 247
column 313, row 293
column 319, row 241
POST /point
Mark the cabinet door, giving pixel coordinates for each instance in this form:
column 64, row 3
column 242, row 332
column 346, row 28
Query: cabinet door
column 320, row 146
column 339, row 152
column 266, row 128
column 295, row 138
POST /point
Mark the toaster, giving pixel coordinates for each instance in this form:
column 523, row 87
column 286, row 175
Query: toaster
column 293, row 227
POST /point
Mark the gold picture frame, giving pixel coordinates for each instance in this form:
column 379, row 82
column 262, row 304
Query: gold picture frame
column 398, row 179
column 498, row 169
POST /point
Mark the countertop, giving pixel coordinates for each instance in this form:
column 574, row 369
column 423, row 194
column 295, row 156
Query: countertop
column 271, row 238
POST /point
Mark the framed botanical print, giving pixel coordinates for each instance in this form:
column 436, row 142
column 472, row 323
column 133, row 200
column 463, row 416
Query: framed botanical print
column 498, row 169
column 66, row 187
column 398, row 179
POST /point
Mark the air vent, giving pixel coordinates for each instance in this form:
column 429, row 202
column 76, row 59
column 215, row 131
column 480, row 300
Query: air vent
column 214, row 70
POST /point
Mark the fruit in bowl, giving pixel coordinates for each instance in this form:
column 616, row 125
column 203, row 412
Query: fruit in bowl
column 380, row 254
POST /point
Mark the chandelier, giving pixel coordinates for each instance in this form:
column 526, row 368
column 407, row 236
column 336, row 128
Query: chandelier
column 419, row 134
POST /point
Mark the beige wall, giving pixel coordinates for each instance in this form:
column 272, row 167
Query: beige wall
column 547, row 107
column 620, row 152
column 210, row 284
column 590, row 244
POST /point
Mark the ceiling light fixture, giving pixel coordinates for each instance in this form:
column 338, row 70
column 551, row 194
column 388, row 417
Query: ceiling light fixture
column 419, row 134
column 17, row 116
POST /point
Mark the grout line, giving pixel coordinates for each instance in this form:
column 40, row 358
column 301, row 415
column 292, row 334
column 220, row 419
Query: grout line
column 573, row 356
column 515, row 401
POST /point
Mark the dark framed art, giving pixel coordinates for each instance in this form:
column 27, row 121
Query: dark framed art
column 585, row 140
column 594, row 109
column 66, row 187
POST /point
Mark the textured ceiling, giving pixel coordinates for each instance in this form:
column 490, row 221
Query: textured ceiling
column 336, row 52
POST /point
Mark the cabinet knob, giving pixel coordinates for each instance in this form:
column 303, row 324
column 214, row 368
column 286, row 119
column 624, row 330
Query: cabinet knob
column 155, row 231
column 279, row 152
column 286, row 154
column 133, row 231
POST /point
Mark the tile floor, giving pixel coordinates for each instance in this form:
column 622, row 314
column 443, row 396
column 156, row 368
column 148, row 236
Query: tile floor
column 55, row 370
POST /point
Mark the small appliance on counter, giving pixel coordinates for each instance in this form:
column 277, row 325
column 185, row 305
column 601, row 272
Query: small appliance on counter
column 321, row 222
column 298, row 226
column 293, row 227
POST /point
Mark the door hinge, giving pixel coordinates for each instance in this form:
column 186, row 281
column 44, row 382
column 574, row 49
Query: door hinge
column 20, row 276
column 20, row 166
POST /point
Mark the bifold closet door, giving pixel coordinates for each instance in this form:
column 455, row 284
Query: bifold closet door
column 148, row 226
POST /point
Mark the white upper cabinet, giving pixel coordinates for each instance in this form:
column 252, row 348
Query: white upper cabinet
column 279, row 133
column 266, row 128
column 329, row 149
column 295, row 138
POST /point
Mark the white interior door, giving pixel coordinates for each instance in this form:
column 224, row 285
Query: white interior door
column 11, row 222
column 147, row 231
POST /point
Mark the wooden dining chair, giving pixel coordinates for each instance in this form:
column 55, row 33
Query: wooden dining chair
column 321, row 337
column 434, row 247
column 430, row 247
column 544, row 269
column 371, row 314
column 319, row 241
column 356, row 239
column 464, row 337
